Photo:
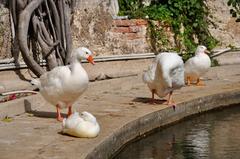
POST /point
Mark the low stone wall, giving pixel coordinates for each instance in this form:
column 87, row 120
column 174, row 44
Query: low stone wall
column 120, row 36
column 96, row 29
column 157, row 119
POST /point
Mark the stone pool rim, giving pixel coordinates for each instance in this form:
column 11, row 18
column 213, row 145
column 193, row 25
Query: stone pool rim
column 161, row 118
column 111, row 144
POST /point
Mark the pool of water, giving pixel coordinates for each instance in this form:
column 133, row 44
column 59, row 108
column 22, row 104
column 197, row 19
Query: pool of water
column 214, row 135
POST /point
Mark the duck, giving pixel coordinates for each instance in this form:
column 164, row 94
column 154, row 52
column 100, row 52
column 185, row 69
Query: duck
column 164, row 75
column 63, row 85
column 84, row 125
column 197, row 66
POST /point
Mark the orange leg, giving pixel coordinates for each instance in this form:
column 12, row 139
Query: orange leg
column 188, row 83
column 59, row 117
column 152, row 101
column 199, row 82
column 170, row 101
column 69, row 111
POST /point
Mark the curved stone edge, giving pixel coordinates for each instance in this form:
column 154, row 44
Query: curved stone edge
column 12, row 108
column 18, row 106
column 161, row 118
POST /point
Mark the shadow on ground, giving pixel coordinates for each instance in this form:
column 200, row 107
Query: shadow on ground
column 41, row 114
column 148, row 100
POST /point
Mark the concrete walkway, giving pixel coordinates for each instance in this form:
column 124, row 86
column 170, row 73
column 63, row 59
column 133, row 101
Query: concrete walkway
column 114, row 102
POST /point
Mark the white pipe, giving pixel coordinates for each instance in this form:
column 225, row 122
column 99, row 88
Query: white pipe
column 4, row 61
column 120, row 17
column 126, row 55
column 12, row 65
column 16, row 92
column 223, row 51
column 9, row 64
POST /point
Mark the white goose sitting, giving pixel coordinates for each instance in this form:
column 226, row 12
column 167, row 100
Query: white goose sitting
column 165, row 75
column 64, row 84
column 197, row 66
column 84, row 125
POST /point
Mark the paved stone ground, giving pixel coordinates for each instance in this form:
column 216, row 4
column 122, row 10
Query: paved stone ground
column 114, row 102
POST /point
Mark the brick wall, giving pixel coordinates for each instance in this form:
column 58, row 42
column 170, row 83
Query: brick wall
column 128, row 36
column 95, row 28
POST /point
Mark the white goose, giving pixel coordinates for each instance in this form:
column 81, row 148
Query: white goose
column 197, row 66
column 84, row 125
column 165, row 75
column 64, row 84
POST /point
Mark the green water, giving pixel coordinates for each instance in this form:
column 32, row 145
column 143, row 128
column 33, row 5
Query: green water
column 213, row 135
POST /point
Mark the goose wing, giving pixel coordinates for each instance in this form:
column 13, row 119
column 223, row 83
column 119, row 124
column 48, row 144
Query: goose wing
column 149, row 75
column 171, row 69
column 52, row 84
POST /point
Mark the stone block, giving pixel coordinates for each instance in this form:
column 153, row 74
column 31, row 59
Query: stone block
column 135, row 29
column 124, row 23
column 121, row 29
column 132, row 36
column 141, row 22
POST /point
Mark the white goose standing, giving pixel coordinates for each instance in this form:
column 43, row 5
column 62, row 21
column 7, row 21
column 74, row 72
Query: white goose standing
column 165, row 75
column 197, row 66
column 63, row 85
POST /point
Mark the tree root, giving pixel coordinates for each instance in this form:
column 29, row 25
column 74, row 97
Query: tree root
column 43, row 26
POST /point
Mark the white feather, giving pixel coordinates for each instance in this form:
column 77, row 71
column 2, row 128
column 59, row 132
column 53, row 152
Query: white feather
column 198, row 65
column 36, row 82
column 165, row 74
column 64, row 84
column 85, row 125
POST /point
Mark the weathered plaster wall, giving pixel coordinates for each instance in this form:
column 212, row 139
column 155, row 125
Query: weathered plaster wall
column 5, row 32
column 95, row 27
column 224, row 29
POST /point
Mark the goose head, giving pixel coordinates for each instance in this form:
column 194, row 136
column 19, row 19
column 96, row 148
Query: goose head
column 201, row 49
column 83, row 53
column 88, row 117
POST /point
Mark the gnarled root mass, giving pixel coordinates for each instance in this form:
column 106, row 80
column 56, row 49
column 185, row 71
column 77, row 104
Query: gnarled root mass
column 42, row 31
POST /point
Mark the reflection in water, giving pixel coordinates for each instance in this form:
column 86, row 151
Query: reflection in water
column 214, row 135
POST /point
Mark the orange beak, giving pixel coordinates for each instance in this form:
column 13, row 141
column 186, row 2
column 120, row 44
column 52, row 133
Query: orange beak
column 207, row 52
column 90, row 60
